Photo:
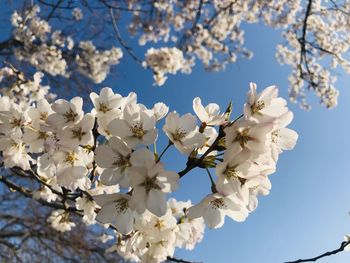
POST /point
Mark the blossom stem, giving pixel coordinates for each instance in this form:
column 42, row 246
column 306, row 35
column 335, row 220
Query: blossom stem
column 155, row 148
column 239, row 117
column 213, row 187
column 95, row 135
column 165, row 149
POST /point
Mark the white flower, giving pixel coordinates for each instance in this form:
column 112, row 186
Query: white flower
column 282, row 137
column 117, row 158
column 137, row 127
column 210, row 136
column 115, row 209
column 46, row 166
column 88, row 205
column 235, row 170
column 183, row 132
column 12, row 121
column 45, row 193
column 66, row 113
column 35, row 138
column 107, row 102
column 210, row 115
column 77, row 14
column 39, row 114
column 72, row 171
column 264, row 106
column 215, row 207
column 59, row 220
column 248, row 135
column 150, row 185
column 189, row 231
column 160, row 110
column 78, row 134
column 163, row 61
column 260, row 185
column 14, row 153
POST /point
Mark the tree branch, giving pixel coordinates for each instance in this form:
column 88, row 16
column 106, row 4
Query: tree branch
column 340, row 249
column 28, row 193
column 121, row 40
column 172, row 259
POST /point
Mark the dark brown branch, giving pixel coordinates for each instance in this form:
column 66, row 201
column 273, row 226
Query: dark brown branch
column 53, row 10
column 337, row 8
column 340, row 249
column 193, row 163
column 95, row 134
column 172, row 259
column 28, row 193
column 303, row 54
column 121, row 40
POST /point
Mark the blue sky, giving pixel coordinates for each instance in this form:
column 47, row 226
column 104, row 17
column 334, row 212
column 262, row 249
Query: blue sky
column 306, row 213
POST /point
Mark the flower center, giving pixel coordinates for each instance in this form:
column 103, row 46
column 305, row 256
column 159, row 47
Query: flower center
column 257, row 106
column 70, row 115
column 218, row 203
column 122, row 161
column 71, row 157
column 150, row 183
column 231, row 173
column 243, row 137
column 43, row 116
column 159, row 224
column 103, row 107
column 121, row 205
column 78, row 133
column 179, row 135
column 137, row 130
column 275, row 135
column 42, row 135
column 16, row 122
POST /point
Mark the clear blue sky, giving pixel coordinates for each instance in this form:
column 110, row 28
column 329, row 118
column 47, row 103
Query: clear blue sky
column 306, row 213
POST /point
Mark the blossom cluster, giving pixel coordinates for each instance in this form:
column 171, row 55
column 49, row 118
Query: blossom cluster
column 210, row 31
column 166, row 60
column 156, row 238
column 252, row 144
column 15, row 86
column 53, row 52
column 102, row 162
column 200, row 30
column 315, row 54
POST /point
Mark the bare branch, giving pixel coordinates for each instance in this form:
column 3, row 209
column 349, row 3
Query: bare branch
column 333, row 252
column 172, row 259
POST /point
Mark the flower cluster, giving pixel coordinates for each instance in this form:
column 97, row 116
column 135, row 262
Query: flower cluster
column 207, row 31
column 313, row 55
column 53, row 52
column 252, row 144
column 102, row 162
column 166, row 61
column 155, row 238
column 15, row 86
column 96, row 64
column 211, row 31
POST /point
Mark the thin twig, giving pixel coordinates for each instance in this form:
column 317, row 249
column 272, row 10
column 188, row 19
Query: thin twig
column 121, row 40
column 333, row 252
column 179, row 260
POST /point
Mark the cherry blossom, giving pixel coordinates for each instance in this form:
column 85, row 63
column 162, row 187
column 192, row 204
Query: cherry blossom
column 100, row 165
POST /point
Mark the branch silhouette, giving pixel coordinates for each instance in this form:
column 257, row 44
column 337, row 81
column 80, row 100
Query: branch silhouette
column 329, row 253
